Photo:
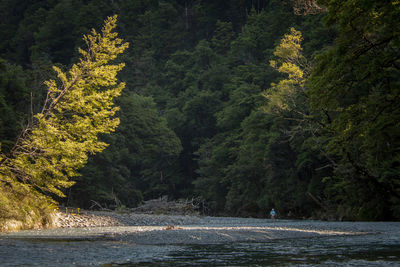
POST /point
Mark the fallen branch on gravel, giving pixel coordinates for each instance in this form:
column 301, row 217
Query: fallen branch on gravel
column 163, row 206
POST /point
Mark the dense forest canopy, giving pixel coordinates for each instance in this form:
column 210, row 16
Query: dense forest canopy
column 246, row 104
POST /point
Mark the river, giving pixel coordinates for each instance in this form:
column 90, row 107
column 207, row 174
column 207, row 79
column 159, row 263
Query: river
column 358, row 244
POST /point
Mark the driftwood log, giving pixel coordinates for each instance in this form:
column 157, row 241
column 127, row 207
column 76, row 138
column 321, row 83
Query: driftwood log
column 177, row 207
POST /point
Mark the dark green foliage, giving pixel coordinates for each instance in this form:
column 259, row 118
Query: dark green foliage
column 250, row 165
column 59, row 35
column 138, row 163
column 193, row 121
column 356, row 84
column 14, row 103
column 222, row 37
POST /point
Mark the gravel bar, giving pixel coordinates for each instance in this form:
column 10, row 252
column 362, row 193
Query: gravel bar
column 178, row 229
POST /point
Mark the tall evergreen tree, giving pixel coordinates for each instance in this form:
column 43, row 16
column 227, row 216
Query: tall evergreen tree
column 78, row 107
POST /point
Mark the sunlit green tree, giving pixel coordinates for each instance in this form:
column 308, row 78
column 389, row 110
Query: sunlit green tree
column 78, row 107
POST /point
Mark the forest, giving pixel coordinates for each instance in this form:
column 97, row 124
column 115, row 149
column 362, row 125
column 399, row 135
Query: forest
column 244, row 105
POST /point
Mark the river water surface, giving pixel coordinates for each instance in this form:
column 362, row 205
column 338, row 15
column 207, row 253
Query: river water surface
column 372, row 244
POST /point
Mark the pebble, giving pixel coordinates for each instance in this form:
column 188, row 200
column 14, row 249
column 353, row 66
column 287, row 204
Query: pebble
column 151, row 229
column 111, row 218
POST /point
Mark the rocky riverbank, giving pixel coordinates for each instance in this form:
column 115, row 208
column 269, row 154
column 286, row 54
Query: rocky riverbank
column 150, row 228
column 152, row 212
column 204, row 241
column 83, row 238
column 147, row 229
column 72, row 219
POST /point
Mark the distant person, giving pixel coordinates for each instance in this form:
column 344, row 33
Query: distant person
column 273, row 214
